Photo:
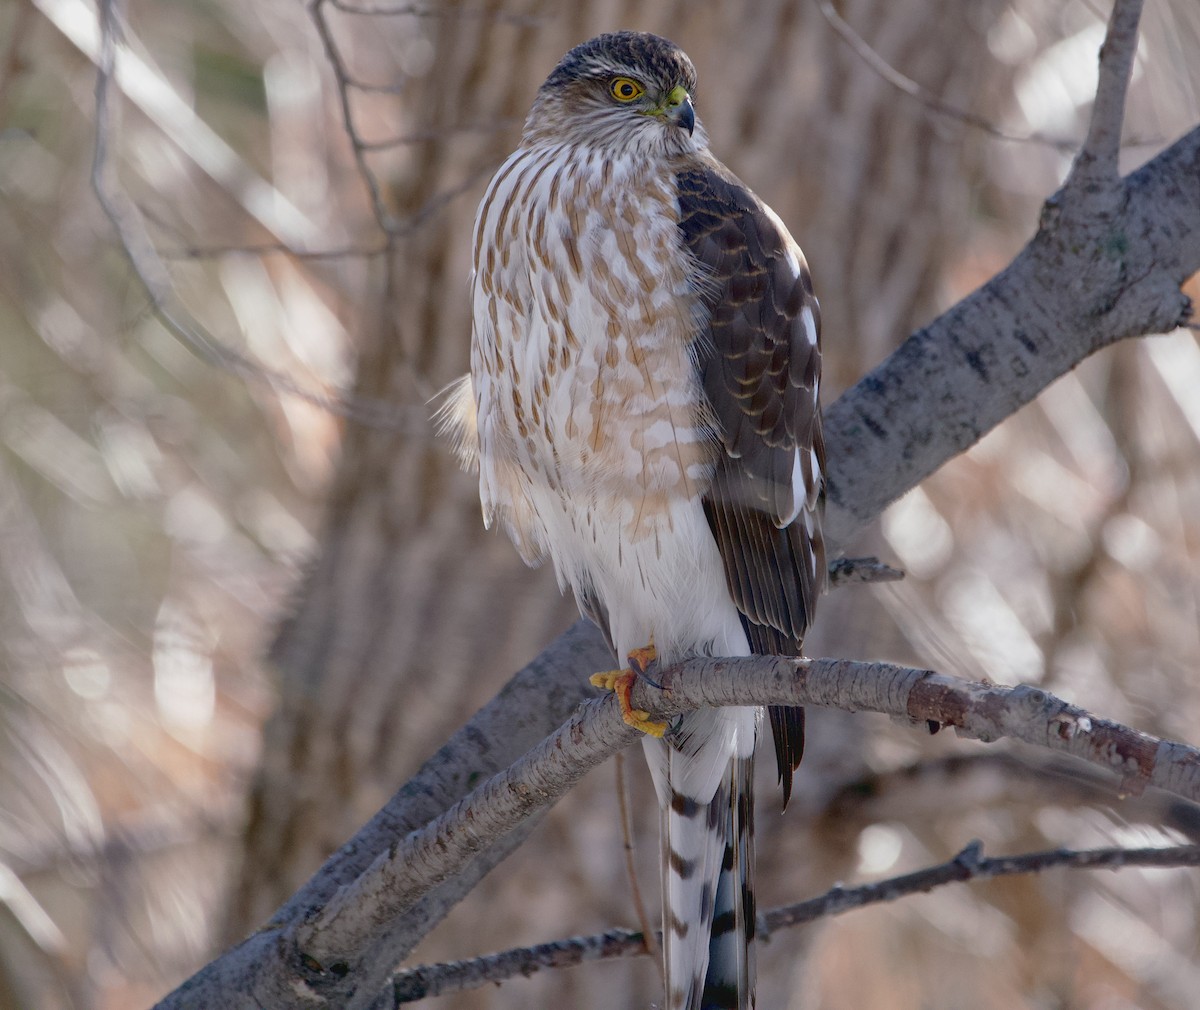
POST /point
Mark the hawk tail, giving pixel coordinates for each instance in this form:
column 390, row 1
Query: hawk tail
column 729, row 981
column 707, row 857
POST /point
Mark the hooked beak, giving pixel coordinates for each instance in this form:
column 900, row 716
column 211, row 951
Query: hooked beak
column 678, row 109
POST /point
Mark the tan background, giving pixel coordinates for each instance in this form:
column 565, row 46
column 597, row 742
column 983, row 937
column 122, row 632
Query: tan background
column 159, row 516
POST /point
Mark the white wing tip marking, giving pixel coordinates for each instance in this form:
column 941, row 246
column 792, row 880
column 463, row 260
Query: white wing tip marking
column 810, row 325
column 799, row 489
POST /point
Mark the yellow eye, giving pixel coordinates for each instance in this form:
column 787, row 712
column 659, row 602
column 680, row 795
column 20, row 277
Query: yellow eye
column 625, row 89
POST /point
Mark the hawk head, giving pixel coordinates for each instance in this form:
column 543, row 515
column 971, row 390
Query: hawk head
column 617, row 89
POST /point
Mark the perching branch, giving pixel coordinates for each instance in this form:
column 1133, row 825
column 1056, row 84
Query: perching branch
column 984, row 712
column 318, row 956
column 429, row 980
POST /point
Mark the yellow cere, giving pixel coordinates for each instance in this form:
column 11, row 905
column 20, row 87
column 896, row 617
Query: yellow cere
column 625, row 89
column 677, row 96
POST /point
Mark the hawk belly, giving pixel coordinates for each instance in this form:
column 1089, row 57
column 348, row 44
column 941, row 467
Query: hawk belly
column 597, row 452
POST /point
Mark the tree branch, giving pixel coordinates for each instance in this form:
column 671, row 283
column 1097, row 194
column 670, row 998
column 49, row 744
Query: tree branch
column 1096, row 163
column 1087, row 279
column 330, row 942
column 323, row 957
column 412, row 867
column 426, row 981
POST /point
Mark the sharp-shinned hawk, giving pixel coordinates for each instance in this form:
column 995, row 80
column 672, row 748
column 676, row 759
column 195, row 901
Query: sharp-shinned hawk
column 643, row 410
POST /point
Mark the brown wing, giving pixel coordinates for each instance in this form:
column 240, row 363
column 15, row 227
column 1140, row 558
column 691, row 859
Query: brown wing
column 761, row 362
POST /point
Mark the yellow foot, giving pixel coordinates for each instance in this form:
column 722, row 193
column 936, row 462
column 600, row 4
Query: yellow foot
column 622, row 681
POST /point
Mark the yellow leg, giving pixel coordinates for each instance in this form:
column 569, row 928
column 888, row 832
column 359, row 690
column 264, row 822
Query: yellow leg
column 621, row 682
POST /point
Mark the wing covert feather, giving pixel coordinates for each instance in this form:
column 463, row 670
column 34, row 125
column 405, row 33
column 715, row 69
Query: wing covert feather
column 760, row 363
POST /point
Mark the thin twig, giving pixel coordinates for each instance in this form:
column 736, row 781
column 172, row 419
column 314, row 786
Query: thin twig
column 152, row 272
column 907, row 86
column 649, row 940
column 426, row 981
column 316, row 11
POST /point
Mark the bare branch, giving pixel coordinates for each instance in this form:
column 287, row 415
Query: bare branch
column 427, row 981
column 330, row 939
column 1097, row 160
column 316, row 10
column 649, row 940
column 983, row 712
column 996, row 350
column 969, row 865
column 430, row 980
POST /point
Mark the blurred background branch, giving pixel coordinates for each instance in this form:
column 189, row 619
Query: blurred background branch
column 429, row 980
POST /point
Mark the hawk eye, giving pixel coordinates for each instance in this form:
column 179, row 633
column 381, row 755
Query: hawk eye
column 625, row 89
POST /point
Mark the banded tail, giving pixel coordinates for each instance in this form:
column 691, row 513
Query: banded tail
column 704, row 779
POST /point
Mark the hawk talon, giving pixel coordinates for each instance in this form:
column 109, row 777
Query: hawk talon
column 640, row 661
column 621, row 682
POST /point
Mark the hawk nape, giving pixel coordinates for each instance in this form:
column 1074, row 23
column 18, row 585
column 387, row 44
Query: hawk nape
column 643, row 409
